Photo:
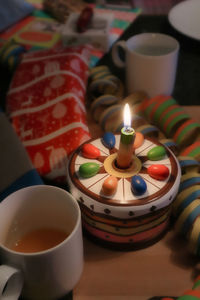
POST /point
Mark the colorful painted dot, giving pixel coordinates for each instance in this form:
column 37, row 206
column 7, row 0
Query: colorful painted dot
column 158, row 172
column 156, row 153
column 109, row 186
column 90, row 151
column 108, row 140
column 138, row 185
column 89, row 169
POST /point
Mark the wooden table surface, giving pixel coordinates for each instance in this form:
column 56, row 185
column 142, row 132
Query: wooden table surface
column 163, row 269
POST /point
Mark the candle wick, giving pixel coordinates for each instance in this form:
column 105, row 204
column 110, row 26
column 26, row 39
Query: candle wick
column 128, row 129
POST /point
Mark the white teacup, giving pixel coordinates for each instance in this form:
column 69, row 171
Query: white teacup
column 47, row 274
column 150, row 62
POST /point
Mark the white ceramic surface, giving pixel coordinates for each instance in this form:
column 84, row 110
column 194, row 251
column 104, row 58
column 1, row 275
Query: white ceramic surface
column 150, row 63
column 185, row 17
column 47, row 274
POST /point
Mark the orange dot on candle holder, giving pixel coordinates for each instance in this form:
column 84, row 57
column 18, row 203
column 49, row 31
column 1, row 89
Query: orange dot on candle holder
column 139, row 139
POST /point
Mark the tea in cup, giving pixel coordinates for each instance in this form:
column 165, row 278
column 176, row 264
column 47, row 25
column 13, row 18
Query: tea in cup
column 39, row 240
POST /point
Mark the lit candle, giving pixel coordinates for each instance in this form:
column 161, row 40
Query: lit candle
column 125, row 152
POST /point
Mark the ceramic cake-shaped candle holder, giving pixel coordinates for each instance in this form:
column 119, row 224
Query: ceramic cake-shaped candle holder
column 128, row 208
column 125, row 185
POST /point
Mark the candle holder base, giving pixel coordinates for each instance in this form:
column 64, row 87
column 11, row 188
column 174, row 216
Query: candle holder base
column 112, row 169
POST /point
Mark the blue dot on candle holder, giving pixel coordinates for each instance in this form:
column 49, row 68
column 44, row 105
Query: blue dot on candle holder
column 108, row 140
column 138, row 185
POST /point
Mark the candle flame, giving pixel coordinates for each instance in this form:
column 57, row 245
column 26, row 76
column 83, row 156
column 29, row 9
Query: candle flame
column 127, row 116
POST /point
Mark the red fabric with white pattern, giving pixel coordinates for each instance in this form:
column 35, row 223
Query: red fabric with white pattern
column 46, row 106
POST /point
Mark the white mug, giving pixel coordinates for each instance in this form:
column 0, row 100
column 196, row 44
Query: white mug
column 48, row 274
column 150, row 63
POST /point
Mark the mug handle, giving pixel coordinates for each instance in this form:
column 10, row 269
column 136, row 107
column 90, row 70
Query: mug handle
column 115, row 53
column 11, row 283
